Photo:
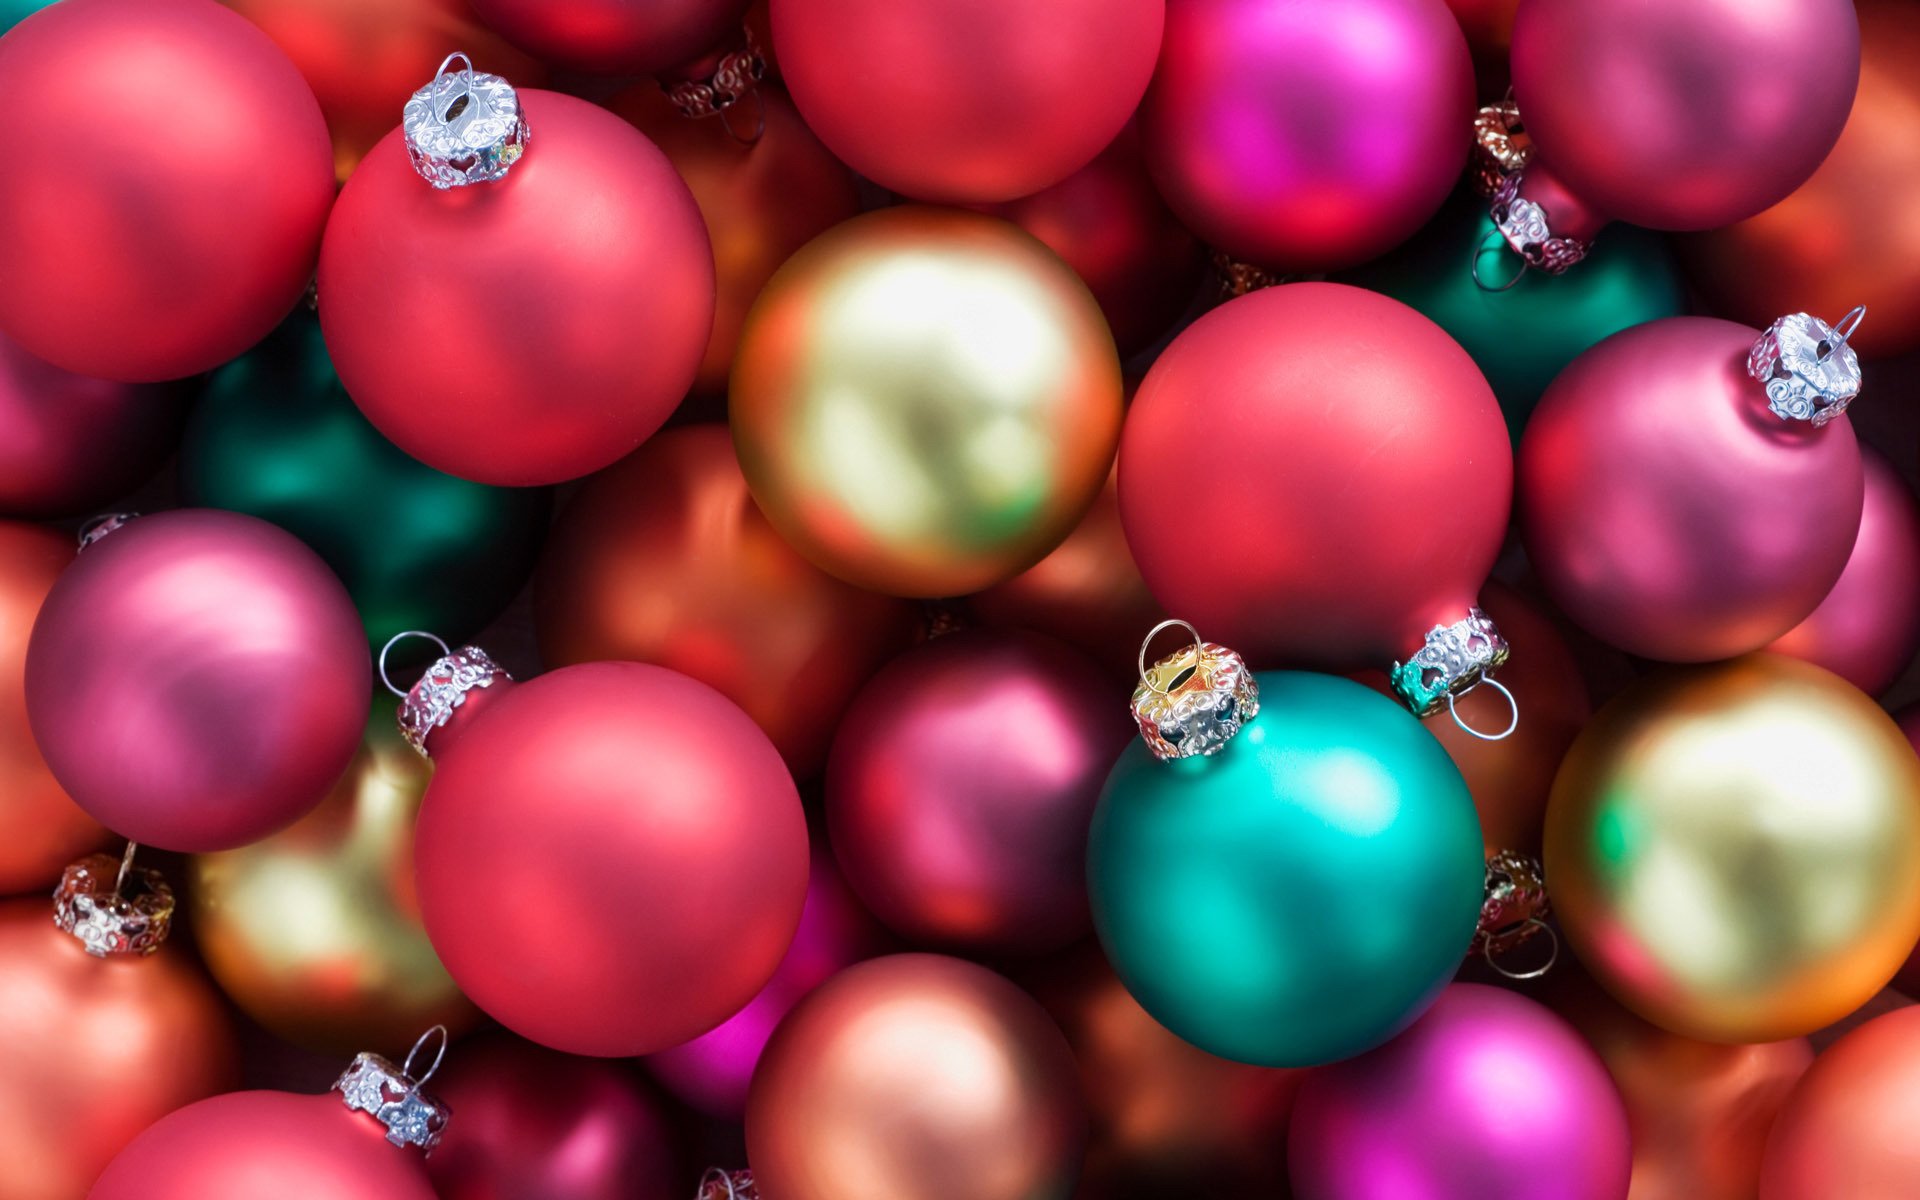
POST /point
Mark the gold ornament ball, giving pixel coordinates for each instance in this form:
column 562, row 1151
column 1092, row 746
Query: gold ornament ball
column 315, row 932
column 925, row 401
column 1734, row 849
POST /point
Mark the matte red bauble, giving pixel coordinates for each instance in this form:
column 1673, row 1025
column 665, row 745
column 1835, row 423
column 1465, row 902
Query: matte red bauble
column 197, row 680
column 1308, row 137
column 1668, row 510
column 528, row 329
column 1844, row 1132
column 614, row 37
column 967, row 103
column 961, row 785
column 168, row 175
column 1317, row 476
column 611, row 858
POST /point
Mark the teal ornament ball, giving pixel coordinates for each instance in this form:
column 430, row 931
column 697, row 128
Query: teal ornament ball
column 1300, row 896
column 12, row 12
column 274, row 435
column 1523, row 336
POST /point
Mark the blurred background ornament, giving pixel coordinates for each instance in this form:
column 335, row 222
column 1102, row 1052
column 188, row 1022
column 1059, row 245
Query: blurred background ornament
column 69, row 443
column 315, row 932
column 161, row 245
column 1844, row 1129
column 96, row 1048
column 1846, row 236
column 1308, row 137
column 529, row 298
column 1693, row 839
column 712, row 1072
column 197, row 680
column 1523, row 336
column 12, row 12
column 921, row 96
column 275, row 436
column 762, row 199
column 363, row 58
column 664, row 558
column 960, row 786
column 1489, row 1095
column 1868, row 627
column 41, row 829
column 532, row 1123
column 615, row 37
column 904, row 478
column 1668, row 511
column 1488, row 25
column 916, row 1077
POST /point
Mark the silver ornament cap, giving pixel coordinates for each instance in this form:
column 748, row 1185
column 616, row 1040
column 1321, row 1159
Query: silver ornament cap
column 112, row 907
column 465, row 127
column 442, row 688
column 391, row 1095
column 1807, row 367
column 1192, row 702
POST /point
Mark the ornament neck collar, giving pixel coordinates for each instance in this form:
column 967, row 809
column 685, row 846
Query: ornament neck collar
column 1810, row 372
column 114, row 908
column 391, row 1095
column 442, row 689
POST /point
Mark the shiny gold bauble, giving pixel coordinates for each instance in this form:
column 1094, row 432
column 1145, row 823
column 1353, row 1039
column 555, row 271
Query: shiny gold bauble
column 315, row 932
column 1734, row 849
column 925, row 401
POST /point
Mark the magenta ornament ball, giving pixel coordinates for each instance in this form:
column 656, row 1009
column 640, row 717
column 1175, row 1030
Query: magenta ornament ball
column 197, row 680
column 1308, row 136
column 1489, row 1096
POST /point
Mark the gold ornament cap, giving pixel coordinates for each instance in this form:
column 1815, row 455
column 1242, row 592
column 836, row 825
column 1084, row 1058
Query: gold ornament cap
column 1514, row 912
column 391, row 1095
column 1192, row 702
column 718, row 1184
column 112, row 907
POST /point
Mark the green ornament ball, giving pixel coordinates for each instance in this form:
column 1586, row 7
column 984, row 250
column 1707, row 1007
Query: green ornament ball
column 12, row 12
column 275, row 435
column 1523, row 336
column 1303, row 894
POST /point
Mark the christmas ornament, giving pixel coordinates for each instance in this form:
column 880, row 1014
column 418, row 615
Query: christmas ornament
column 907, row 479
column 1676, row 116
column 1843, row 237
column 1369, row 546
column 1667, row 510
column 1087, row 592
column 103, row 1031
column 69, row 443
column 1308, row 137
column 1844, row 1130
column 367, row 1137
column 762, row 200
column 916, row 1077
column 1221, row 835
column 461, row 251
column 12, row 12
column 1691, row 839
column 534, row 1123
column 1868, row 627
column 712, row 1071
column 565, row 882
column 275, row 436
column 615, row 37
column 1489, row 1095
column 960, row 786
column 197, row 680
column 664, row 558
column 1523, row 336
column 1513, row 913
column 315, row 932
column 157, row 233
column 41, row 830
column 363, row 57
column 1108, row 222
column 1699, row 1113
column 970, row 103
column 1166, row 1119
column 1907, row 979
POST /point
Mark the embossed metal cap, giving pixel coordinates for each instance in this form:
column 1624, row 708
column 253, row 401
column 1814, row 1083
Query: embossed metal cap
column 718, row 1184
column 442, row 688
column 1809, row 370
column 112, row 907
column 1454, row 659
column 732, row 77
column 391, row 1095
column 1526, row 229
column 1193, row 701
column 103, row 525
column 1500, row 145
column 1513, row 912
column 464, row 128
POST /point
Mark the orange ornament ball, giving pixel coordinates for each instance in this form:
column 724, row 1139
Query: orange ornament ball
column 1846, row 1132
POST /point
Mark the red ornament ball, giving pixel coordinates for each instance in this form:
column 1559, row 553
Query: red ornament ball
column 198, row 680
column 967, row 103
column 529, row 330
column 615, row 37
column 254, row 1143
column 168, row 174
column 1668, row 511
column 1316, row 476
column 1845, row 1133
column 960, row 788
column 611, row 858
column 1308, row 137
